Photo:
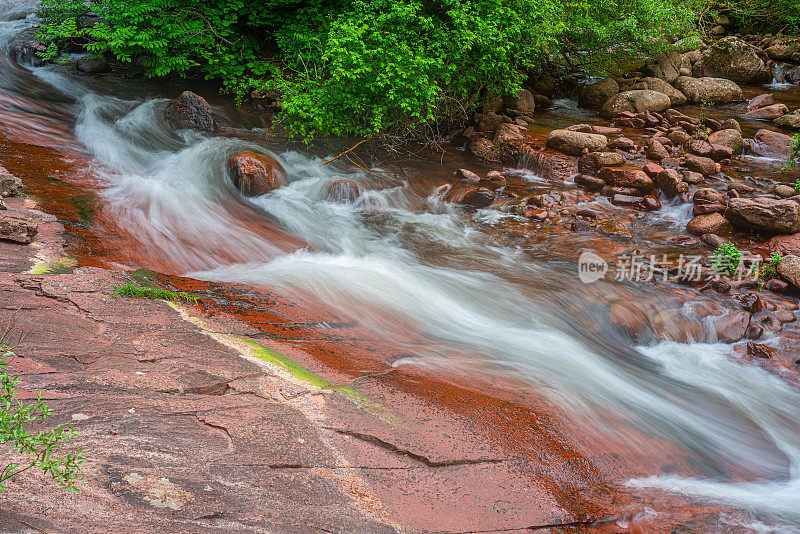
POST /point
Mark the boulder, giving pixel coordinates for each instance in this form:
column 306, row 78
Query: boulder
column 712, row 223
column 764, row 214
column 707, row 195
column 594, row 161
column 788, row 122
column 635, row 102
column 733, row 59
column 767, row 113
column 669, row 65
column 656, row 84
column 523, row 102
column 343, row 191
column 17, row 227
column 789, row 270
column 626, row 177
column 574, row 143
column 254, row 174
column 488, row 122
column 716, row 90
column 760, row 101
column 730, row 124
column 191, row 112
column 493, row 103
column 730, row 138
column 598, row 93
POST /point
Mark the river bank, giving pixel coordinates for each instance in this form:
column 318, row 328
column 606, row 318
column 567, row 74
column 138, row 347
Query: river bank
column 442, row 365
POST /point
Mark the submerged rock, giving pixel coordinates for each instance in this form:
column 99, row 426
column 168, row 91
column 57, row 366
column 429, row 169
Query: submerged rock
column 254, row 174
column 191, row 112
column 343, row 191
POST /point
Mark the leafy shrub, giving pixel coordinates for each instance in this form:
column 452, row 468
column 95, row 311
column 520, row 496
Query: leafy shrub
column 726, row 258
column 37, row 446
column 357, row 67
column 773, row 15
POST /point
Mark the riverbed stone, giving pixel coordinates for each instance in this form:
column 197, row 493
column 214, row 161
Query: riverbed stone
column 760, row 101
column 635, row 102
column 767, row 113
column 626, row 177
column 789, row 270
column 574, row 143
column 712, row 223
column 790, row 121
column 705, row 166
column 729, row 137
column 254, row 173
column 764, row 214
column 786, row 49
column 594, row 161
column 17, row 226
column 784, row 191
column 716, row 90
column 771, row 143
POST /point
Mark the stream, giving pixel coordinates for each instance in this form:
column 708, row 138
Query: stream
column 444, row 286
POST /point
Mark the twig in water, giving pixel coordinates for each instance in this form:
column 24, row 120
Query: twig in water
column 343, row 153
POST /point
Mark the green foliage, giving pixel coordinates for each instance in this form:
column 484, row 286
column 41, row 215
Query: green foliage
column 726, row 258
column 770, row 269
column 131, row 291
column 772, row 15
column 357, row 67
column 794, row 155
column 37, row 446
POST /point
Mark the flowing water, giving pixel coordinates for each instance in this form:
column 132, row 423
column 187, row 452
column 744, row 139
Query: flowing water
column 418, row 274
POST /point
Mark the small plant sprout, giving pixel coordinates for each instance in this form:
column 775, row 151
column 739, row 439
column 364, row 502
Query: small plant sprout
column 726, row 258
column 131, row 291
column 770, row 268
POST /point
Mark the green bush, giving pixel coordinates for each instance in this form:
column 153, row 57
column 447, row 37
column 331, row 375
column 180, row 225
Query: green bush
column 37, row 446
column 794, row 154
column 355, row 67
column 765, row 15
column 726, row 258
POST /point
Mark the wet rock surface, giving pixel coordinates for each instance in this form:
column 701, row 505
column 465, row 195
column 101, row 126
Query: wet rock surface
column 191, row 111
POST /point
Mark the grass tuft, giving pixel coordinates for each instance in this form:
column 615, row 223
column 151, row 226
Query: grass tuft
column 132, row 291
